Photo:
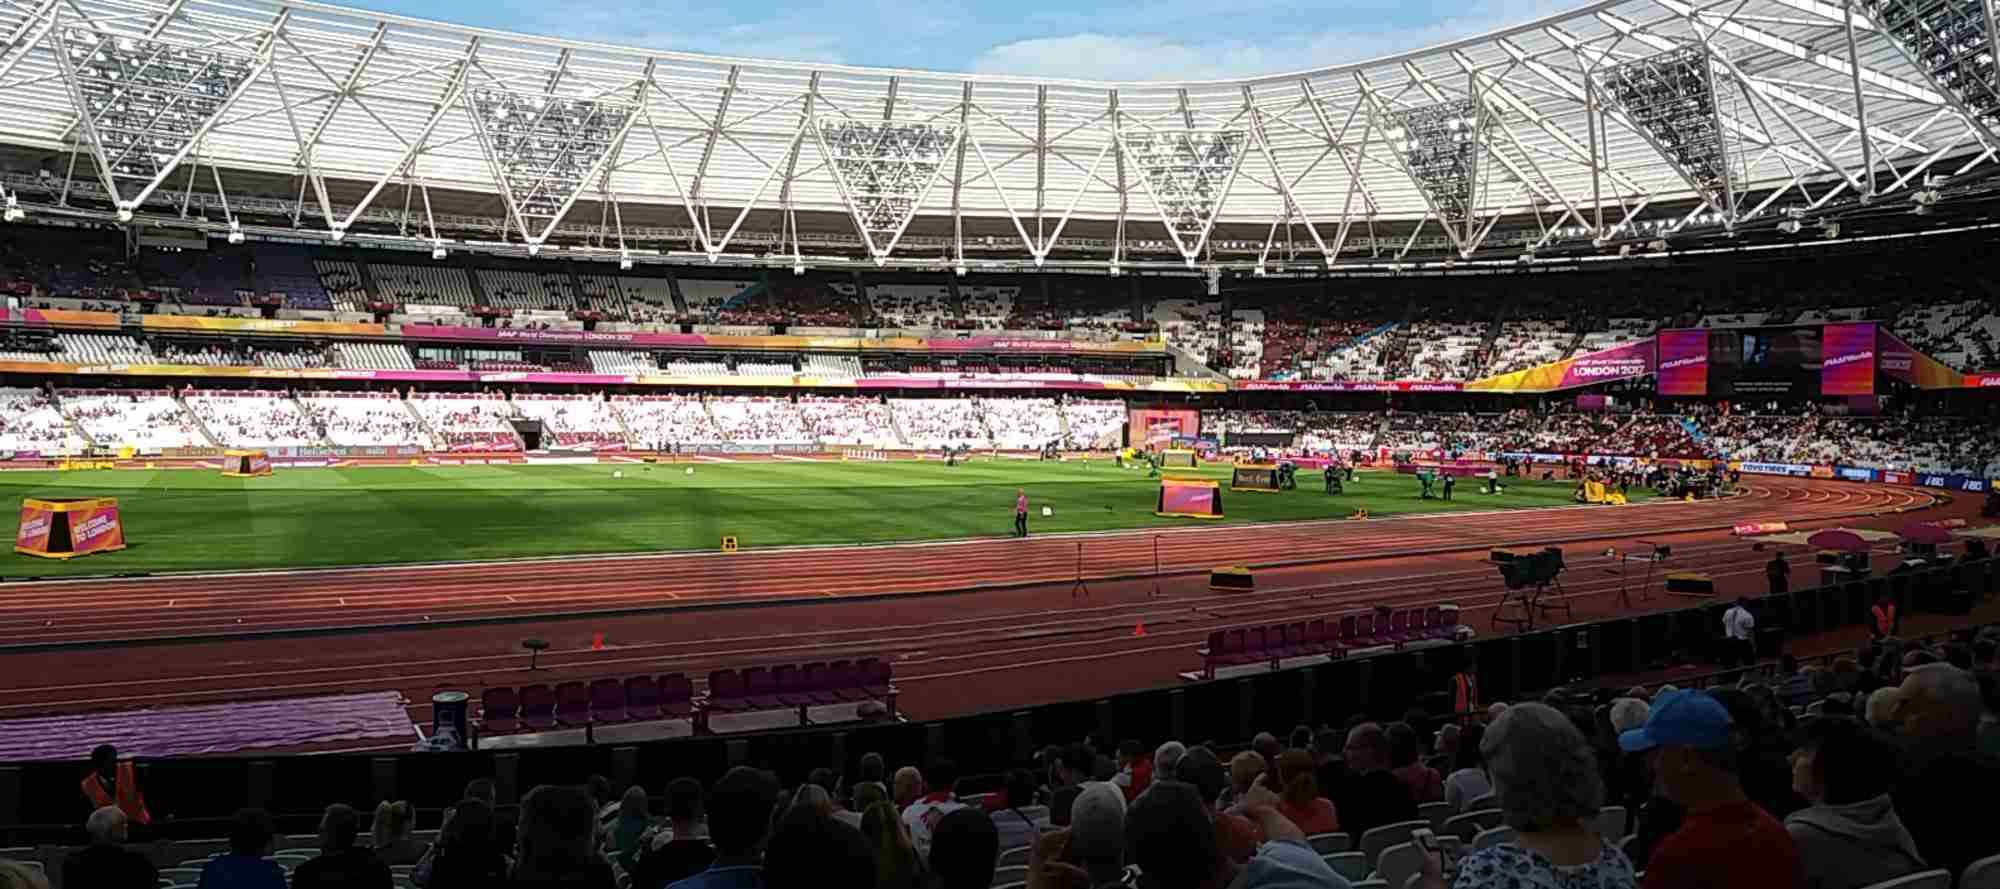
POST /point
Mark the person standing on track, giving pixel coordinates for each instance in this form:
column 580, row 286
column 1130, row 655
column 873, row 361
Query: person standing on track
column 1739, row 629
column 1020, row 512
column 1779, row 572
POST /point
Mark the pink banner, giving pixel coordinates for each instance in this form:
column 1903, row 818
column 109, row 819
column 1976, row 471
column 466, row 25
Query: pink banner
column 1350, row 385
column 1847, row 363
column 1620, row 362
column 96, row 528
column 1187, row 500
column 1683, row 362
column 33, row 535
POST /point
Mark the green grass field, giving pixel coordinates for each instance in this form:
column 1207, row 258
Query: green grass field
column 184, row 520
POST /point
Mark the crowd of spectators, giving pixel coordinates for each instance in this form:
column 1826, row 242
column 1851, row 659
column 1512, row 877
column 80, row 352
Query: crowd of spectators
column 573, row 421
column 758, row 419
column 468, row 421
column 839, row 420
column 253, row 419
column 364, row 419
column 662, row 422
column 31, row 421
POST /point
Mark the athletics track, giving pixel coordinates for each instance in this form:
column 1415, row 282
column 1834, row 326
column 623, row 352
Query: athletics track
column 970, row 625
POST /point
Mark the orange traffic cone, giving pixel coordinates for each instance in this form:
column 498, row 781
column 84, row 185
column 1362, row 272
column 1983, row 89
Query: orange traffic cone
column 597, row 642
column 1138, row 629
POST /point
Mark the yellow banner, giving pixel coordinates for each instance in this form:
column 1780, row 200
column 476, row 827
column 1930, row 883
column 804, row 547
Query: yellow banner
column 262, row 325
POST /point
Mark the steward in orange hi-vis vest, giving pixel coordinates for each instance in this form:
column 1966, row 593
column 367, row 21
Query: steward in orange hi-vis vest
column 115, row 783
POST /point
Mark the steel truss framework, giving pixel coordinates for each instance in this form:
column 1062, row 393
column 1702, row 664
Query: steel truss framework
column 1827, row 103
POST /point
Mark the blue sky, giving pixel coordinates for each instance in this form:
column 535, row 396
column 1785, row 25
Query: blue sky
column 1138, row 40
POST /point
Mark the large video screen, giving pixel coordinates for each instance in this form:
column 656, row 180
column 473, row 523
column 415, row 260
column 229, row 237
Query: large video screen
column 1158, row 427
column 1754, row 361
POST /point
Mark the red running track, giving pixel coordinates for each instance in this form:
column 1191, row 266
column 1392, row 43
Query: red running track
column 1006, row 646
column 212, row 605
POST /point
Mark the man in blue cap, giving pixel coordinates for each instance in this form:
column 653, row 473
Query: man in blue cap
column 1724, row 841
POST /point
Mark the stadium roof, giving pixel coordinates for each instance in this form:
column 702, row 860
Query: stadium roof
column 1572, row 128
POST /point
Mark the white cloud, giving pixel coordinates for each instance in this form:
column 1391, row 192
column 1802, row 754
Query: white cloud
column 1092, row 55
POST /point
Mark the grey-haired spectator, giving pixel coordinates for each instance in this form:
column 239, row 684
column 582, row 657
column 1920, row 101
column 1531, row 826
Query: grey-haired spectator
column 1545, row 775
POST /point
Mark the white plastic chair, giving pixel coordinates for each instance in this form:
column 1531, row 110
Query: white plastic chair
column 1351, row 866
column 1402, row 861
column 1492, row 837
column 1374, row 841
column 1017, row 856
column 1437, row 814
column 1329, row 843
column 1981, row 874
column 1610, row 823
column 1927, row 879
column 1011, row 874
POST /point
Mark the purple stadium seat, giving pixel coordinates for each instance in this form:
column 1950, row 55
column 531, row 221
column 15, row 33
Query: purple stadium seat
column 875, row 675
column 1364, row 631
column 572, row 703
column 1399, row 627
column 1235, row 645
column 1316, row 638
column 1448, row 621
column 1254, row 647
column 815, row 680
column 677, row 695
column 845, row 681
column 607, row 701
column 538, row 707
column 1349, row 633
column 1298, row 639
column 642, row 698
column 790, row 683
column 759, row 689
column 499, row 711
column 725, row 693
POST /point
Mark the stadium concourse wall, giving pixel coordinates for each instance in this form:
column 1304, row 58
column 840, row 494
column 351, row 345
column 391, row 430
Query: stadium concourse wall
column 194, row 797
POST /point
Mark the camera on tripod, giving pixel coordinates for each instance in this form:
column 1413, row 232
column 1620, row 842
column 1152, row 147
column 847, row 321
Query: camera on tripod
column 1527, row 576
column 1536, row 569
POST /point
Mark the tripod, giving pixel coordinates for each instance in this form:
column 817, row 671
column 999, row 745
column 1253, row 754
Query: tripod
column 1081, row 589
column 1527, row 600
column 1155, row 594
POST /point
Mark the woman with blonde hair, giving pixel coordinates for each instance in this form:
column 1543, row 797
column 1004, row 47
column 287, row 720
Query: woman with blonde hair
column 391, row 832
column 897, row 864
column 1299, row 798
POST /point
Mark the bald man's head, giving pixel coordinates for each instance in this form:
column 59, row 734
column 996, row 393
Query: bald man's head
column 1940, row 707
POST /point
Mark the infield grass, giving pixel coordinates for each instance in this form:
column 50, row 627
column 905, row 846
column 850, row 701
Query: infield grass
column 188, row 520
